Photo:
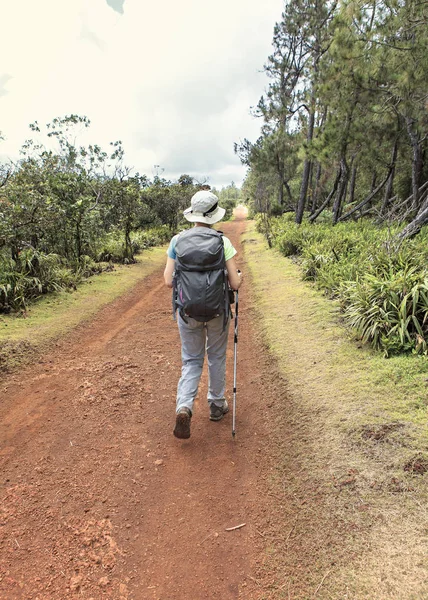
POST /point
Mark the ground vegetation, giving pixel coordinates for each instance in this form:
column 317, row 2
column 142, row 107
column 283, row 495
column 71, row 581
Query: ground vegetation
column 382, row 288
column 348, row 445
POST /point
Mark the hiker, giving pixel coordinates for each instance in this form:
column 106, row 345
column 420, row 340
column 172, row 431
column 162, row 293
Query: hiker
column 201, row 256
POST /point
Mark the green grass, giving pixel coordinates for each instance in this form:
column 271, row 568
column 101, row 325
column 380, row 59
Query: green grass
column 53, row 315
column 348, row 409
column 303, row 328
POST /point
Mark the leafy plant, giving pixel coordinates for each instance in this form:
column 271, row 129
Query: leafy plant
column 382, row 289
column 392, row 313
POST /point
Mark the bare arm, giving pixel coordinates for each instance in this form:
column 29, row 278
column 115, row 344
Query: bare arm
column 233, row 275
column 169, row 271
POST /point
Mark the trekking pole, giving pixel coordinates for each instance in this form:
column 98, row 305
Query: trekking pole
column 234, row 365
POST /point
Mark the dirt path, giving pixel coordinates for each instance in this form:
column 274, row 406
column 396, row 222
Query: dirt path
column 99, row 500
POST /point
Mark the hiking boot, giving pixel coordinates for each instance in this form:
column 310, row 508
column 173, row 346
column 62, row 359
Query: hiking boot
column 218, row 412
column 182, row 424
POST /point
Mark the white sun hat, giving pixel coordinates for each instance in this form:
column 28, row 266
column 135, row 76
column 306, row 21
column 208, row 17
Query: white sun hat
column 204, row 209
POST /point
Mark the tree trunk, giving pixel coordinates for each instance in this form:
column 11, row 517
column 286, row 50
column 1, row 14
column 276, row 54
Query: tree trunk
column 415, row 226
column 289, row 194
column 352, row 184
column 343, row 182
column 416, row 160
column 326, row 202
column 306, row 170
column 347, row 187
column 128, row 244
column 390, row 183
column 303, row 191
column 311, row 184
column 365, row 201
column 344, row 170
column 404, row 203
column 281, row 193
column 316, row 189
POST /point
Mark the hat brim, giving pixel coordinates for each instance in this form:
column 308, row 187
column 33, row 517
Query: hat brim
column 210, row 219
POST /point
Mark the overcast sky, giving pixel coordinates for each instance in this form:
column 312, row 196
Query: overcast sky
column 173, row 79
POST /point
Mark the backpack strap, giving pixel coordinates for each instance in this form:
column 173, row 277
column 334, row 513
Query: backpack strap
column 174, row 296
column 226, row 300
column 226, row 312
column 225, row 290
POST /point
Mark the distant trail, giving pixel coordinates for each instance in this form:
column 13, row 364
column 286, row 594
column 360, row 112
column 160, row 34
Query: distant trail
column 99, row 499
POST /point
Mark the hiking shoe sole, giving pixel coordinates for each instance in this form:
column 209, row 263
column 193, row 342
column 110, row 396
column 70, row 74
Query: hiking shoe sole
column 218, row 412
column 182, row 425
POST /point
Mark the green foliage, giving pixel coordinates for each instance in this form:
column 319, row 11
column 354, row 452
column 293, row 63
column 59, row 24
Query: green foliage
column 344, row 114
column 229, row 197
column 66, row 208
column 390, row 312
column 151, row 237
column 34, row 274
column 382, row 288
column 112, row 247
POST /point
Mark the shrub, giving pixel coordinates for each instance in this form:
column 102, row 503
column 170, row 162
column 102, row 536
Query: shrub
column 37, row 273
column 389, row 312
column 382, row 289
column 156, row 236
column 229, row 204
column 112, row 247
column 33, row 275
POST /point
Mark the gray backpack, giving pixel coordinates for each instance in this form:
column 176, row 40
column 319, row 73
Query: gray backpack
column 200, row 279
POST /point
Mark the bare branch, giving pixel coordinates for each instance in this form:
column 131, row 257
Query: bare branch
column 366, row 200
column 326, row 202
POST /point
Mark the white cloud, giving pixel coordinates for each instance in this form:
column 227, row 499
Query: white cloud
column 116, row 5
column 173, row 80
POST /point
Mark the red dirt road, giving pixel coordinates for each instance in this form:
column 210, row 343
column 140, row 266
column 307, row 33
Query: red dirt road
column 99, row 500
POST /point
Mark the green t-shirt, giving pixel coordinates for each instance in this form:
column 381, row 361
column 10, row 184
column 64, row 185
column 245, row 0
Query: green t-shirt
column 229, row 250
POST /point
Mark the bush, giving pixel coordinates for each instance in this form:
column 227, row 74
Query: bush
column 112, row 246
column 157, row 236
column 382, row 289
column 389, row 311
column 33, row 275
column 229, row 204
column 37, row 273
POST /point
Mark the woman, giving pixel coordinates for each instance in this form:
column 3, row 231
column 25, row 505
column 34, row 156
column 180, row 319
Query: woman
column 198, row 337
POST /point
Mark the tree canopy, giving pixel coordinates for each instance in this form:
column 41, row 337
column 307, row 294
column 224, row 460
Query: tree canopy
column 345, row 116
column 63, row 205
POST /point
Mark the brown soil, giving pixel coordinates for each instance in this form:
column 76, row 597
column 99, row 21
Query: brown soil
column 99, row 500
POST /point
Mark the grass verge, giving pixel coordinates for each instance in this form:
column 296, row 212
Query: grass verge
column 23, row 336
column 349, row 450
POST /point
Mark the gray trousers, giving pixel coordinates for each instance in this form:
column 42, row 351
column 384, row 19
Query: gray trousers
column 196, row 339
